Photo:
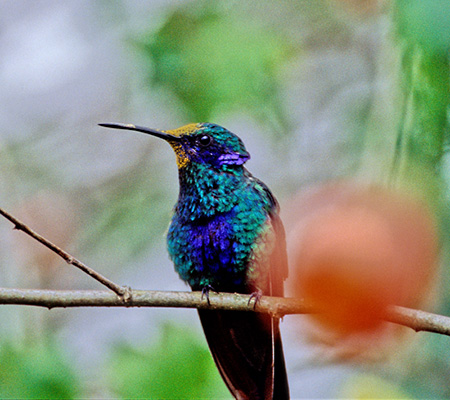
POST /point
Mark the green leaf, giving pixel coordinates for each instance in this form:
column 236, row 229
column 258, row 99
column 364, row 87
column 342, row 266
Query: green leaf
column 426, row 22
column 219, row 63
column 39, row 372
column 177, row 366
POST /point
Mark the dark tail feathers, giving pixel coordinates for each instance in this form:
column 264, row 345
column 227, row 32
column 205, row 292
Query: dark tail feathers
column 248, row 352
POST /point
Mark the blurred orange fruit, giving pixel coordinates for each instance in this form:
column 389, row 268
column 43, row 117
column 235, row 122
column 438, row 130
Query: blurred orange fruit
column 360, row 249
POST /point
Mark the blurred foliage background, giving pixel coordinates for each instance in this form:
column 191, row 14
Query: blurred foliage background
column 317, row 90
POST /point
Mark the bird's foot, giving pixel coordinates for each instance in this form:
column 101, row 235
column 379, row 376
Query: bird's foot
column 257, row 296
column 205, row 292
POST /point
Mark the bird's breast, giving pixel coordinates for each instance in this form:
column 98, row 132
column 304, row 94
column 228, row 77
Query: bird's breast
column 217, row 251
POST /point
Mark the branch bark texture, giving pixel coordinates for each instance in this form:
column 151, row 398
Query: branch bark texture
column 122, row 296
column 277, row 306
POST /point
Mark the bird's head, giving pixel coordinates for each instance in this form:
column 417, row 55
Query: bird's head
column 202, row 143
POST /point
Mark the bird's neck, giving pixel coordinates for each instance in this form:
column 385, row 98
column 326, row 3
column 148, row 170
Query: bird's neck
column 207, row 191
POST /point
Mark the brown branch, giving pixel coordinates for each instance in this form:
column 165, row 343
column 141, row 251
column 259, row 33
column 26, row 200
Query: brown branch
column 419, row 320
column 277, row 306
column 414, row 319
column 148, row 298
column 121, row 291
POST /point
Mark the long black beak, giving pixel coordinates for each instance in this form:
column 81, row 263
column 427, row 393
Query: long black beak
column 149, row 131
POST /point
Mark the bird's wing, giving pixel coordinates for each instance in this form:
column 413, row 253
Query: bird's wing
column 270, row 254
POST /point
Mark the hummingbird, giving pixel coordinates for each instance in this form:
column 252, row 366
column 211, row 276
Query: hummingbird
column 226, row 236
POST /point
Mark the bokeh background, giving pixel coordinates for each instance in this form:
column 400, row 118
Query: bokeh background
column 317, row 89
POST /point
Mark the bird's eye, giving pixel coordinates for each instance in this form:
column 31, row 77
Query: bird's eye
column 205, row 140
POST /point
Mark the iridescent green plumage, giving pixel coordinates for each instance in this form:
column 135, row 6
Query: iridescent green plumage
column 226, row 234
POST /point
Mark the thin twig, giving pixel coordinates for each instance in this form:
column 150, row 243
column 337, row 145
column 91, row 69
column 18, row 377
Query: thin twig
column 121, row 291
column 414, row 319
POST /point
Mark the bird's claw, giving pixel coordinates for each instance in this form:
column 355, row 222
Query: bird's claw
column 257, row 296
column 205, row 292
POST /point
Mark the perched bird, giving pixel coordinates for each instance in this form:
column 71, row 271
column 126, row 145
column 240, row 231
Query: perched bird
column 226, row 236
